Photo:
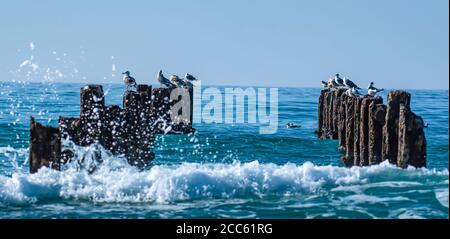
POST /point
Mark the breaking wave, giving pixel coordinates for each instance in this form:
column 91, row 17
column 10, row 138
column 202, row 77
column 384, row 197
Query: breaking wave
column 115, row 181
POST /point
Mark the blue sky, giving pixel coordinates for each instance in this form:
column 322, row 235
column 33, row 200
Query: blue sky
column 396, row 43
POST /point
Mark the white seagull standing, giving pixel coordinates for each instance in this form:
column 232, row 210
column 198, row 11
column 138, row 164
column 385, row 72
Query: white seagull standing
column 163, row 80
column 352, row 92
column 128, row 80
column 332, row 83
column 372, row 90
column 349, row 84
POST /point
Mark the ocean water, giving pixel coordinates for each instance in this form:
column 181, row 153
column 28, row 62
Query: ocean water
column 221, row 171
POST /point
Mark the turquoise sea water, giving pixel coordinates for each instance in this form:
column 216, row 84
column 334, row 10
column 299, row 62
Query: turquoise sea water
column 222, row 171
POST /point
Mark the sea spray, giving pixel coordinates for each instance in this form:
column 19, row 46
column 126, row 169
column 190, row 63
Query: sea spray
column 115, row 181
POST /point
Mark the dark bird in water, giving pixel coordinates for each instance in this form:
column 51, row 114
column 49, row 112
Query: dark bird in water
column 338, row 80
column 190, row 77
column 163, row 80
column 128, row 80
column 324, row 84
column 349, row 84
column 292, row 125
column 372, row 90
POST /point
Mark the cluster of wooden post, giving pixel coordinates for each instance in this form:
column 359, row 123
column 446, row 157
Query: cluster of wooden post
column 129, row 130
column 369, row 132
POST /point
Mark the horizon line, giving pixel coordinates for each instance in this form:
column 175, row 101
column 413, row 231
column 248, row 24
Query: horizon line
column 208, row 85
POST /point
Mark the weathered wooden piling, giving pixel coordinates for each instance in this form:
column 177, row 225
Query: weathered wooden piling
column 136, row 106
column 70, row 128
column 356, row 134
column 165, row 99
column 390, row 128
column 341, row 113
column 329, row 121
column 328, row 109
column 115, row 130
column 336, row 114
column 92, row 108
column 129, row 131
column 364, row 132
column 349, row 132
column 369, row 132
column 412, row 142
column 45, row 146
column 146, row 124
column 320, row 111
column 161, row 106
column 377, row 114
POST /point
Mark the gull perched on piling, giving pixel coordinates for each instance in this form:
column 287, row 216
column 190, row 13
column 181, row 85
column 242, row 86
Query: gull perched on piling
column 332, row 83
column 355, row 92
column 349, row 84
column 128, row 80
column 372, row 90
column 352, row 92
column 187, row 83
column 325, row 84
column 338, row 80
column 188, row 80
column 175, row 80
column 163, row 80
column 190, row 77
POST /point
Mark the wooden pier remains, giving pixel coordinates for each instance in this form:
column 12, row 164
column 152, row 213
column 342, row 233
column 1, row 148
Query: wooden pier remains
column 369, row 132
column 128, row 131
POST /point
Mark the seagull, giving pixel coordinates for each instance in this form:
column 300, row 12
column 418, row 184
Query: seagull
column 187, row 83
column 175, row 80
column 325, row 84
column 332, row 83
column 128, row 80
column 338, row 80
column 355, row 92
column 372, row 90
column 349, row 84
column 163, row 80
column 352, row 92
column 348, row 93
column 190, row 77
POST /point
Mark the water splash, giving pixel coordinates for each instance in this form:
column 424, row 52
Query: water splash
column 115, row 181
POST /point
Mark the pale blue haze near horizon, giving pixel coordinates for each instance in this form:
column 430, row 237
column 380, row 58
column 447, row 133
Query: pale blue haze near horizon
column 398, row 44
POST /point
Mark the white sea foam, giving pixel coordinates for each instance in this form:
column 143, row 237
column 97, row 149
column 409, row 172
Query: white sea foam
column 9, row 149
column 442, row 196
column 386, row 184
column 116, row 181
column 361, row 198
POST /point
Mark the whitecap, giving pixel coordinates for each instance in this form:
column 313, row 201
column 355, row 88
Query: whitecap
column 116, row 181
column 442, row 196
